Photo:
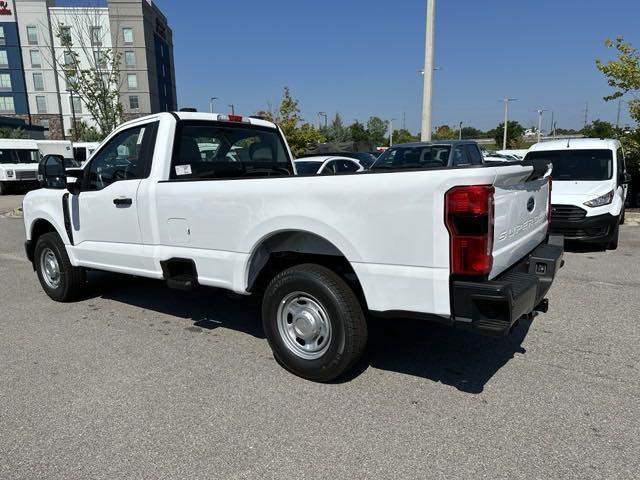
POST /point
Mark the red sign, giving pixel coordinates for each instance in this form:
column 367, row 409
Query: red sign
column 4, row 9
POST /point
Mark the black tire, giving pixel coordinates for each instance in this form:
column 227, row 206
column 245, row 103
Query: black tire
column 3, row 188
column 613, row 243
column 622, row 216
column 348, row 325
column 71, row 280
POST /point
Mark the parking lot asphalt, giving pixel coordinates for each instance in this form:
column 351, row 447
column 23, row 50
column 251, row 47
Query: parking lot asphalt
column 137, row 381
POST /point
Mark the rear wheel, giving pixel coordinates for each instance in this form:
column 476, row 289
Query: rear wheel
column 314, row 322
column 622, row 216
column 3, row 188
column 59, row 279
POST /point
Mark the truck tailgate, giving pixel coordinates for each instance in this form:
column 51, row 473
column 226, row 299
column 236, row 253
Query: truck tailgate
column 521, row 213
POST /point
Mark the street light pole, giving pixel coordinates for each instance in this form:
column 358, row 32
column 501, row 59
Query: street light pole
column 540, row 111
column 233, row 108
column 460, row 131
column 211, row 100
column 74, row 133
column 391, row 132
column 506, row 120
column 425, row 134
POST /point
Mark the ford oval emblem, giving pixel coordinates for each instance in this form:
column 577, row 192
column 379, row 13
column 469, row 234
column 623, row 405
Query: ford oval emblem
column 531, row 204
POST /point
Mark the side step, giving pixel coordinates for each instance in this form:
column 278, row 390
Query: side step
column 182, row 282
column 180, row 273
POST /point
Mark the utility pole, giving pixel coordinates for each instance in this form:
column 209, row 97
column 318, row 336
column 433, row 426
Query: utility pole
column 391, row 132
column 211, row 100
column 322, row 114
column 540, row 112
column 586, row 114
column 404, row 120
column 506, row 120
column 460, row 131
column 74, row 134
column 425, row 134
column 551, row 128
column 618, row 116
column 233, row 109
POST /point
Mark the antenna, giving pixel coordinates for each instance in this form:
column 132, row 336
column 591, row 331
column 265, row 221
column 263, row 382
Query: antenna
column 586, row 114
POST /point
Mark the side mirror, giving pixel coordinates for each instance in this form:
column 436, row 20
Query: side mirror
column 626, row 179
column 51, row 172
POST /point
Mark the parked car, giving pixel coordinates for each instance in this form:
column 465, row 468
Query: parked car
column 364, row 158
column 18, row 164
column 437, row 154
column 465, row 247
column 590, row 184
column 326, row 165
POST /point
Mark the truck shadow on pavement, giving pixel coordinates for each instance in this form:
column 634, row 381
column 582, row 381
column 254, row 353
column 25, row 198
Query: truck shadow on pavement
column 461, row 359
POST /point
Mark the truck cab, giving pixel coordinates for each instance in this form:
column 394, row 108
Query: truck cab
column 18, row 164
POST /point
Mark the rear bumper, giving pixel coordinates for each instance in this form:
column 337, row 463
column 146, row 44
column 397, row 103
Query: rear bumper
column 588, row 229
column 492, row 307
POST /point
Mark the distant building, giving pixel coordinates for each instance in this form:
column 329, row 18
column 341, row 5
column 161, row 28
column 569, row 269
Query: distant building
column 33, row 86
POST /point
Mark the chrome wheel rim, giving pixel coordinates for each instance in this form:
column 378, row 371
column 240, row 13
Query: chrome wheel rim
column 50, row 268
column 304, row 325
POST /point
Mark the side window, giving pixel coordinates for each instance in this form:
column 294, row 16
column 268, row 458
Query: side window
column 208, row 150
column 127, row 156
column 330, row 168
column 347, row 166
column 474, row 154
column 459, row 157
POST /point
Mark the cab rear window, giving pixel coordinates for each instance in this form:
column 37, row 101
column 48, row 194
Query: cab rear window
column 577, row 165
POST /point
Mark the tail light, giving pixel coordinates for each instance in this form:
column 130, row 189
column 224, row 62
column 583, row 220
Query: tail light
column 233, row 118
column 469, row 214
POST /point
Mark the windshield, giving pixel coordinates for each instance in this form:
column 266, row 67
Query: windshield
column 19, row 156
column 577, row 165
column 308, row 168
column 413, row 156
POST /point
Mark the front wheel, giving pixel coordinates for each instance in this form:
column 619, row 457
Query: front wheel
column 613, row 243
column 314, row 322
column 3, row 188
column 59, row 279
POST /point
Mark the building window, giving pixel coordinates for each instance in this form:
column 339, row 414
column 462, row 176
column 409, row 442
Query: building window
column 65, row 36
column 76, row 105
column 41, row 104
column 132, row 81
column 68, row 59
column 36, row 61
column 32, row 34
column 5, row 82
column 101, row 61
column 4, row 60
column 45, row 124
column 96, row 35
column 6, row 105
column 38, row 82
column 70, row 82
column 2, row 38
column 134, row 102
column 130, row 58
column 127, row 34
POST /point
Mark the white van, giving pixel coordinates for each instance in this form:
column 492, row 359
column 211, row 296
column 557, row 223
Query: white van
column 590, row 185
column 18, row 163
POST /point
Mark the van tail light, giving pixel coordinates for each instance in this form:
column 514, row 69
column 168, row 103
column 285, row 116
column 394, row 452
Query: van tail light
column 469, row 217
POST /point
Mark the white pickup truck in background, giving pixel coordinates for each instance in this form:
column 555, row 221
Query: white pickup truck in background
column 466, row 246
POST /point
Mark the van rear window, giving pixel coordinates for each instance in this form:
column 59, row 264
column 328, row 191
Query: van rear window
column 577, row 165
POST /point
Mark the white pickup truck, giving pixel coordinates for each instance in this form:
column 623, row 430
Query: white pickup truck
column 464, row 246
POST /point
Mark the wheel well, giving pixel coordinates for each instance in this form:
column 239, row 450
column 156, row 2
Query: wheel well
column 287, row 249
column 40, row 227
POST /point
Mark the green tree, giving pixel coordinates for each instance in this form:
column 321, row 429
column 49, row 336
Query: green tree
column 600, row 129
column 623, row 74
column 337, row 132
column 444, row 132
column 514, row 134
column 471, row 132
column 87, row 133
column 96, row 81
column 404, row 136
column 6, row 132
column 300, row 135
column 377, row 131
column 357, row 132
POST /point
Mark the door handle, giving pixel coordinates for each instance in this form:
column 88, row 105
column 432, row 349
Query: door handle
column 119, row 202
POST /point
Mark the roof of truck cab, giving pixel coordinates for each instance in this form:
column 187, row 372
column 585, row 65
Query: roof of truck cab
column 202, row 116
column 576, row 144
column 18, row 143
column 435, row 142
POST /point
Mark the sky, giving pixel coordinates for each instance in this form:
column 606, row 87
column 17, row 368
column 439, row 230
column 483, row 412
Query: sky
column 362, row 57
